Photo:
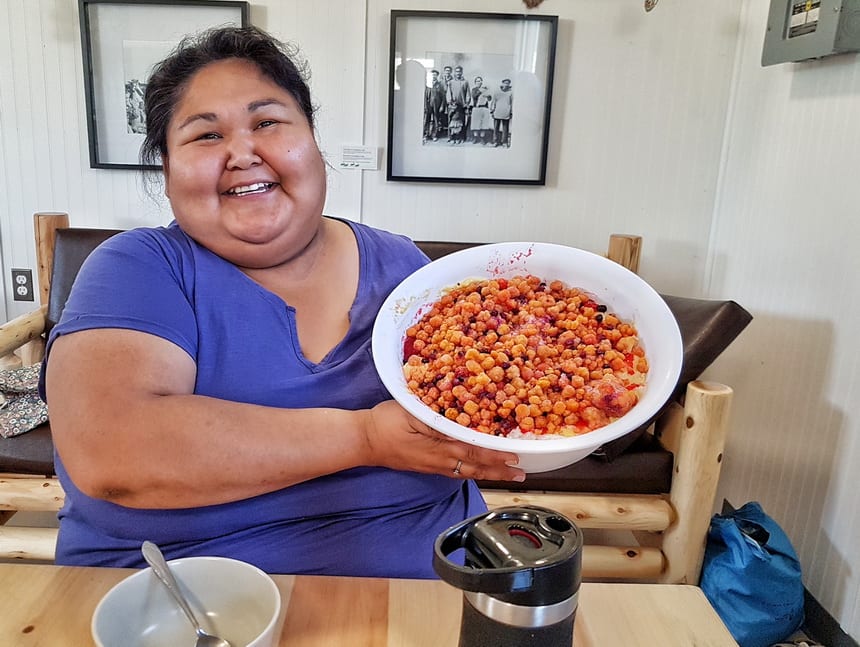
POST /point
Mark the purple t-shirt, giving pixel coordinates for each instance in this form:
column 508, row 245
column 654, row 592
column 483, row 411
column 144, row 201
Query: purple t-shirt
column 362, row 521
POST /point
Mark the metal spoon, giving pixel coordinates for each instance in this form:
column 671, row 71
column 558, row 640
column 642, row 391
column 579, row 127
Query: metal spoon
column 152, row 555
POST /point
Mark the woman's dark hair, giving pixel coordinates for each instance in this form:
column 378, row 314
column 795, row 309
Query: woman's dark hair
column 170, row 77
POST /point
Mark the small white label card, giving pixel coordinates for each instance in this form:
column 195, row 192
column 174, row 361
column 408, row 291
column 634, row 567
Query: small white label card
column 359, row 157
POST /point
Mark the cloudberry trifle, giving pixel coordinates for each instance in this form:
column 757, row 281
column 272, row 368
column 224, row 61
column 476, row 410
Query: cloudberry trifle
column 523, row 358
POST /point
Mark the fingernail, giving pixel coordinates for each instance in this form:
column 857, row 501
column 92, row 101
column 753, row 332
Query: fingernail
column 513, row 462
column 519, row 478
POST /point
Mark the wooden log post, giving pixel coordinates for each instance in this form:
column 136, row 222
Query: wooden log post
column 45, row 225
column 607, row 511
column 34, row 494
column 28, row 543
column 621, row 562
column 698, row 443
column 625, row 250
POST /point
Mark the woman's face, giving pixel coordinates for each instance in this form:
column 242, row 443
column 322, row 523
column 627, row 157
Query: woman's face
column 243, row 171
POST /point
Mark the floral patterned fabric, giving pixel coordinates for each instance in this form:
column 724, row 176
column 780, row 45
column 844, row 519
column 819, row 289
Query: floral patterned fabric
column 21, row 408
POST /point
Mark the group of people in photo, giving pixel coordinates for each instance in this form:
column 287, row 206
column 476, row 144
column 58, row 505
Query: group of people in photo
column 459, row 112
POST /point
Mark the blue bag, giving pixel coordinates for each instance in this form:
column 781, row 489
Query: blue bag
column 751, row 576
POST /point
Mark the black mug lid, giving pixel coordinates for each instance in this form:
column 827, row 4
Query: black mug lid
column 511, row 550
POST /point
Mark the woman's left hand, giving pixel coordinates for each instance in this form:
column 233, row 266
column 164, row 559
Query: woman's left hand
column 398, row 440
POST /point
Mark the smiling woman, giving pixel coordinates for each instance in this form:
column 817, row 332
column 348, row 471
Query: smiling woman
column 211, row 382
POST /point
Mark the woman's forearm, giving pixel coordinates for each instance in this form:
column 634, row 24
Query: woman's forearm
column 176, row 451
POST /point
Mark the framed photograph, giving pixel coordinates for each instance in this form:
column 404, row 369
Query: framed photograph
column 121, row 40
column 469, row 96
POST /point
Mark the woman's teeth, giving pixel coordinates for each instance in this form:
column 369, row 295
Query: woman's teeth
column 258, row 187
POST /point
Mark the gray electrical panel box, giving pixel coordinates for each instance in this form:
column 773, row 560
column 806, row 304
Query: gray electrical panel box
column 800, row 30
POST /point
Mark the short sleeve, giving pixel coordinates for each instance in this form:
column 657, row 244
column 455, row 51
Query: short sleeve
column 140, row 280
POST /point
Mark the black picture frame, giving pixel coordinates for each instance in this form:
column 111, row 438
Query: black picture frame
column 120, row 41
column 429, row 144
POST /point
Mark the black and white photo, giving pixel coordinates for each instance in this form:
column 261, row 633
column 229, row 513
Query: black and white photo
column 121, row 40
column 453, row 116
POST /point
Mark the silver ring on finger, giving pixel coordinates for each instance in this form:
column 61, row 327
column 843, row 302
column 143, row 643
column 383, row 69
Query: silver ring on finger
column 459, row 465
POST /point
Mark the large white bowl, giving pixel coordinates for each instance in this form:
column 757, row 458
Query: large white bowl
column 241, row 603
column 624, row 293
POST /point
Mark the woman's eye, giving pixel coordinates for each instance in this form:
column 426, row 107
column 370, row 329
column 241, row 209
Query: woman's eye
column 266, row 123
column 209, row 136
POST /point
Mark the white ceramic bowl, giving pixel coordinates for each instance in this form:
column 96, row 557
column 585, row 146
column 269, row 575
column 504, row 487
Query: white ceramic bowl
column 624, row 292
column 241, row 603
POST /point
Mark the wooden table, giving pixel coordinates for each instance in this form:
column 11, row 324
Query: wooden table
column 51, row 606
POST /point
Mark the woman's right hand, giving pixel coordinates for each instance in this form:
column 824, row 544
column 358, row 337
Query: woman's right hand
column 398, row 440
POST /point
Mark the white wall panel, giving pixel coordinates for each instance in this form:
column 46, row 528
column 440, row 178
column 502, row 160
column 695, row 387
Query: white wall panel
column 784, row 229
column 330, row 36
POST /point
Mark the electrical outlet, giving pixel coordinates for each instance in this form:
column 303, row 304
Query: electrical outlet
column 22, row 285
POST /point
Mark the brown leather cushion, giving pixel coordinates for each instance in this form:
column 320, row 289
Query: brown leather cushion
column 439, row 248
column 30, row 453
column 644, row 468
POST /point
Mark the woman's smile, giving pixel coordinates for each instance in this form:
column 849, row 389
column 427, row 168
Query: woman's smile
column 251, row 189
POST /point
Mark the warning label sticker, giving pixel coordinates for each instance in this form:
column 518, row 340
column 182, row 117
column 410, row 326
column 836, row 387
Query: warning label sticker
column 803, row 18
